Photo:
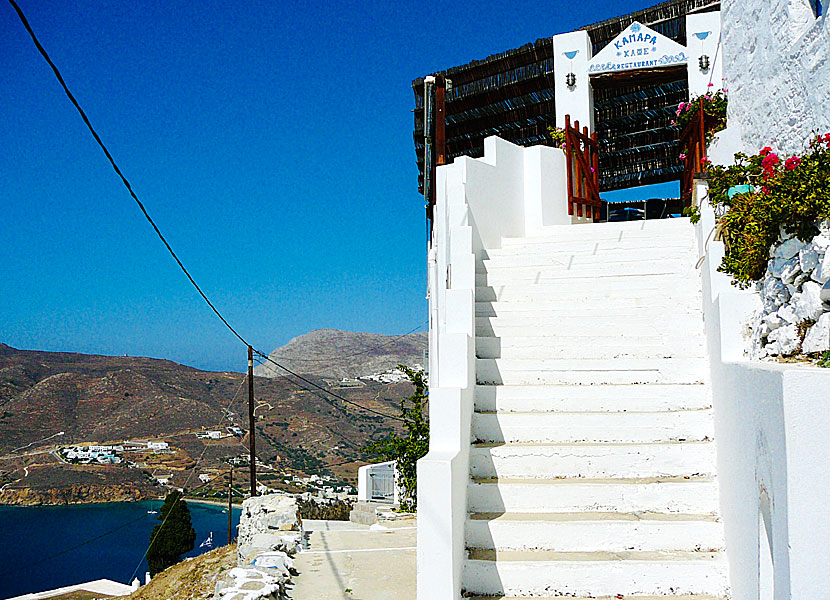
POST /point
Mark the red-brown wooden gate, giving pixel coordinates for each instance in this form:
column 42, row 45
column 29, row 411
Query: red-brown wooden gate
column 582, row 152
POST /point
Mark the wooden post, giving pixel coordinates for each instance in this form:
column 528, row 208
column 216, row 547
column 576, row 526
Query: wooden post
column 230, row 506
column 251, row 422
column 440, row 121
column 569, row 162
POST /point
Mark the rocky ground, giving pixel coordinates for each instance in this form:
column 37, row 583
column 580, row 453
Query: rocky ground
column 192, row 579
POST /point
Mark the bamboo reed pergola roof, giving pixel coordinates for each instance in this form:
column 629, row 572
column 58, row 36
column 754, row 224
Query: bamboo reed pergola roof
column 511, row 94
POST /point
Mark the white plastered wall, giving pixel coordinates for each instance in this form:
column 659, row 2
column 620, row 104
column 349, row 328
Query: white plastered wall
column 772, row 422
column 510, row 192
column 576, row 100
column 777, row 70
column 707, row 24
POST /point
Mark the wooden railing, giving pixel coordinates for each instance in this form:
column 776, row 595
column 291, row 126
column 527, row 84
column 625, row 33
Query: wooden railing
column 582, row 152
column 693, row 144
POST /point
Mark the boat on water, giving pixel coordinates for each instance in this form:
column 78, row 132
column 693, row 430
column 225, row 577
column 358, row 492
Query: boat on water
column 208, row 543
column 152, row 512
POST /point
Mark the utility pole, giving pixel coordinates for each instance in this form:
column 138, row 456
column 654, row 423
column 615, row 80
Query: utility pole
column 230, row 505
column 252, row 424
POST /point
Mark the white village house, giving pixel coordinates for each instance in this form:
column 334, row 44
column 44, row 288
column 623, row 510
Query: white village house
column 597, row 427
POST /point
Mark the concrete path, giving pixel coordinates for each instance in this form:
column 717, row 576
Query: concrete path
column 346, row 561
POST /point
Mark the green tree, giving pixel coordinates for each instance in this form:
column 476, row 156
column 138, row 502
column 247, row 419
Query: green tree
column 406, row 449
column 173, row 536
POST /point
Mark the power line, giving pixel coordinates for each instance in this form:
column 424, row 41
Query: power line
column 190, row 475
column 126, row 183
column 117, row 170
column 338, row 396
column 339, row 357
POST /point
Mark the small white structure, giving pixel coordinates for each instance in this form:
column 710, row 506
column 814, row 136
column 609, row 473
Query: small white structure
column 205, row 478
column 378, row 483
column 156, row 445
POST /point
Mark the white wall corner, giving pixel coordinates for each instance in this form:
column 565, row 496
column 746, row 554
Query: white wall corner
column 546, row 188
column 706, row 26
column 806, row 405
column 577, row 100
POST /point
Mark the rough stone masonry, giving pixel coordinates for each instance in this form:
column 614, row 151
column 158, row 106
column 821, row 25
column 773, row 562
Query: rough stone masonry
column 793, row 319
column 270, row 534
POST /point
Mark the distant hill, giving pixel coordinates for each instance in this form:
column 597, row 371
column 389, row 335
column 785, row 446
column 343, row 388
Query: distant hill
column 94, row 398
column 336, row 354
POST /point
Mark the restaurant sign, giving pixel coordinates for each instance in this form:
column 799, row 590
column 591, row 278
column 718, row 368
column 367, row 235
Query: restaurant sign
column 638, row 47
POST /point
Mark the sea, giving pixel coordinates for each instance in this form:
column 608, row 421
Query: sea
column 47, row 547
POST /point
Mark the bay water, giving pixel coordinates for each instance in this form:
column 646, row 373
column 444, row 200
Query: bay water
column 46, row 547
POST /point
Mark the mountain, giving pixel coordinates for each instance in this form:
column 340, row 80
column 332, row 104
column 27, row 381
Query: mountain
column 111, row 399
column 336, row 354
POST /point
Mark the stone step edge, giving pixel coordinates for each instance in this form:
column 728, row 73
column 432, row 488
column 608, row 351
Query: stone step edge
column 629, row 556
column 591, row 412
column 618, row 597
column 606, row 517
column 593, row 480
column 508, row 445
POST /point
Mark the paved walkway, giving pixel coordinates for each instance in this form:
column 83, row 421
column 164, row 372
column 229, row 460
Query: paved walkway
column 346, row 561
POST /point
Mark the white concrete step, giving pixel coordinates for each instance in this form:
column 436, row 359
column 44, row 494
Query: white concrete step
column 542, row 573
column 595, row 461
column 589, row 303
column 595, row 398
column 603, row 282
column 507, row 273
column 643, row 248
column 594, row 427
column 597, row 347
column 570, row 259
column 619, row 231
column 590, row 371
column 594, row 532
column 637, row 597
column 586, row 326
column 598, row 312
column 598, row 290
column 697, row 495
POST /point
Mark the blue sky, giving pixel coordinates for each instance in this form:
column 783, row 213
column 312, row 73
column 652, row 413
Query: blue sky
column 272, row 143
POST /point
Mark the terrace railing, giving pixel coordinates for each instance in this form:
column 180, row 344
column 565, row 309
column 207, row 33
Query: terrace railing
column 582, row 152
column 693, row 141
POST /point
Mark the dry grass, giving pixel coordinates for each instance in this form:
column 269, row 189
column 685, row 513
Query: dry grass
column 193, row 579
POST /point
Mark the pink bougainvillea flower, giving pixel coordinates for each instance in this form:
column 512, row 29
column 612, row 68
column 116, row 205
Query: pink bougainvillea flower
column 770, row 160
column 711, row 85
column 766, row 150
column 765, row 190
column 792, row 162
column 682, row 157
column 672, row 122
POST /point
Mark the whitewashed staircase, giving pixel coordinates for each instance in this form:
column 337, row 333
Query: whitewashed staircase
column 592, row 469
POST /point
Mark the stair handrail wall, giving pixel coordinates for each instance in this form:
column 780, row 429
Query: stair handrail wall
column 582, row 152
column 507, row 193
column 771, row 427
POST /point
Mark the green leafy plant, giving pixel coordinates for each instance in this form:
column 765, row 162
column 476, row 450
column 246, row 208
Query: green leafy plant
column 763, row 196
column 557, row 136
column 173, row 536
column 824, row 360
column 714, row 110
column 406, row 449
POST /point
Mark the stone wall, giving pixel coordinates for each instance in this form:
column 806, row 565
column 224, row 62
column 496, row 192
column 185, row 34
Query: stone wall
column 793, row 319
column 776, row 66
column 270, row 534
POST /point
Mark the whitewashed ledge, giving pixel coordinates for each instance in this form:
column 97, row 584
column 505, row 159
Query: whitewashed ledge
column 270, row 534
column 105, row 587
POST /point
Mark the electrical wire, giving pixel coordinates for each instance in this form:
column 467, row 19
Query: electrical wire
column 190, row 475
column 126, row 183
column 146, row 214
column 340, row 357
